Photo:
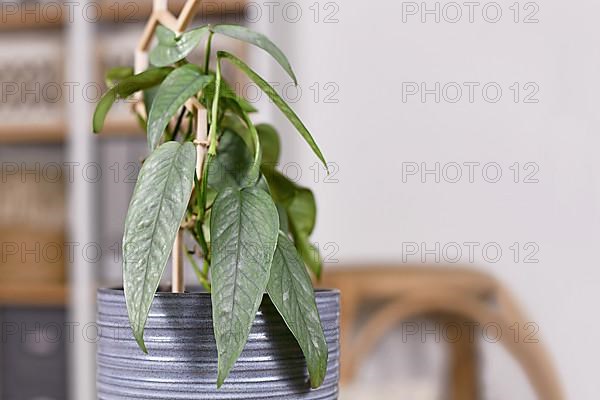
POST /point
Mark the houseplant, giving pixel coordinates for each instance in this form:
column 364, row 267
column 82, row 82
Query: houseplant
column 258, row 330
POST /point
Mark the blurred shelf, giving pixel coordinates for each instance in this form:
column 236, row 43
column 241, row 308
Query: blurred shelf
column 32, row 133
column 128, row 11
column 110, row 11
column 33, row 295
column 120, row 128
column 25, row 22
column 57, row 133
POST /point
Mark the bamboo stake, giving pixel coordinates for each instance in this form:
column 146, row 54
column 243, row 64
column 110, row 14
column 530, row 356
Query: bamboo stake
column 160, row 5
column 201, row 139
column 178, row 285
column 187, row 13
column 167, row 19
column 147, row 36
column 161, row 15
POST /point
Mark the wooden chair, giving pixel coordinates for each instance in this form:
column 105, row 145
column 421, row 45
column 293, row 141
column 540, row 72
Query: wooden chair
column 451, row 295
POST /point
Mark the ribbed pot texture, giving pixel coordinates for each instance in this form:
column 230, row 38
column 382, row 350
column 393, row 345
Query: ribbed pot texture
column 182, row 356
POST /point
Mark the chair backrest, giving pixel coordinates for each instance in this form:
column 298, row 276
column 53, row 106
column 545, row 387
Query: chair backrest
column 459, row 294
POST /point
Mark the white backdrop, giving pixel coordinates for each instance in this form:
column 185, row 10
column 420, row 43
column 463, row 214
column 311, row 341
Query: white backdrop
column 370, row 61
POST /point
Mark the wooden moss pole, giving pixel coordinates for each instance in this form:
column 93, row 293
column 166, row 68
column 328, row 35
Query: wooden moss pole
column 161, row 15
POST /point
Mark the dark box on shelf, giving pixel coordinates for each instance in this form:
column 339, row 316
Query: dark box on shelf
column 32, row 356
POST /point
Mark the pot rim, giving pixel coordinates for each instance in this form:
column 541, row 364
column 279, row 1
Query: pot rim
column 197, row 291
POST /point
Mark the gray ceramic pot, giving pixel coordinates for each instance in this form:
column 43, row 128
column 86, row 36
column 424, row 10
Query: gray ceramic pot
column 182, row 358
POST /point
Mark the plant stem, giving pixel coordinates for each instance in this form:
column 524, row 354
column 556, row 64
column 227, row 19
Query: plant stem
column 205, row 268
column 204, row 187
column 202, row 275
column 178, row 124
column 207, row 50
column 202, row 240
column 188, row 134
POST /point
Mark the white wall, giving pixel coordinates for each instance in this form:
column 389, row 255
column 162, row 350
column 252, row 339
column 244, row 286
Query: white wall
column 369, row 53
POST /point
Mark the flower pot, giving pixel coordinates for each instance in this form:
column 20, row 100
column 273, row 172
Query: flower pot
column 182, row 356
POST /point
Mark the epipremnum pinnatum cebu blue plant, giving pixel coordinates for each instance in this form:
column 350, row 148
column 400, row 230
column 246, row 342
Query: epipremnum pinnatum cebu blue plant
column 250, row 223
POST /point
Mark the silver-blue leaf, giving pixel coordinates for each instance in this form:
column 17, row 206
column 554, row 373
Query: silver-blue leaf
column 292, row 293
column 157, row 208
column 172, row 48
column 243, row 229
column 182, row 84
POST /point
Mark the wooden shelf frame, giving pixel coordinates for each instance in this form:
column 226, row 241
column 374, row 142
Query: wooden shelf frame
column 39, row 295
column 57, row 133
column 106, row 11
column 74, row 132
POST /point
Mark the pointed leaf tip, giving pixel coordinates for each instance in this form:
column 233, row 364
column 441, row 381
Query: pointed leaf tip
column 139, row 338
column 279, row 102
column 125, row 88
column 220, row 380
column 102, row 109
column 259, row 40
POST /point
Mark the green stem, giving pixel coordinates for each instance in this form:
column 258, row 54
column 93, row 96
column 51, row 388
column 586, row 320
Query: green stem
column 207, row 50
column 200, row 205
column 202, row 184
column 189, row 132
column 178, row 124
column 202, row 240
column 200, row 274
column 203, row 187
column 205, row 268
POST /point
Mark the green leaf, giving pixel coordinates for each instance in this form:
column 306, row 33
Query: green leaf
column 102, row 109
column 244, row 227
column 149, row 96
column 232, row 163
column 124, row 89
column 236, row 124
column 155, row 213
column 309, row 253
column 247, row 130
column 258, row 39
column 279, row 102
column 283, row 218
column 172, row 48
column 302, row 215
column 142, row 81
column 299, row 202
column 117, row 74
column 264, row 185
column 233, row 104
column 302, row 211
column 180, row 85
column 252, row 136
column 227, row 93
column 282, row 189
column 270, row 144
column 164, row 35
column 291, row 291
